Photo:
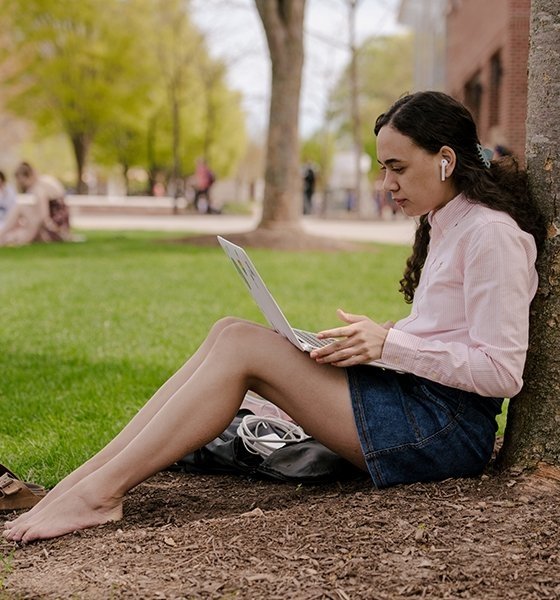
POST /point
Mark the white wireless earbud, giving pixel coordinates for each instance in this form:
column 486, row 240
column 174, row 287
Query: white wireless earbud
column 444, row 164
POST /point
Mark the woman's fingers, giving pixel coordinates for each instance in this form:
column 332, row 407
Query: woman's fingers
column 342, row 350
column 358, row 342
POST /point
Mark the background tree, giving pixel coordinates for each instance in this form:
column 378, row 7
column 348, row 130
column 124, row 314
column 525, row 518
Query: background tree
column 221, row 140
column 78, row 66
column 283, row 24
column 385, row 73
column 124, row 144
column 126, row 80
column 355, row 113
column 193, row 112
column 533, row 428
column 178, row 48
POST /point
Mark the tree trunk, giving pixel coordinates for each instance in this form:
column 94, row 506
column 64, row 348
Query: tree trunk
column 533, row 427
column 80, row 144
column 283, row 25
column 176, row 124
column 126, row 180
column 355, row 106
column 151, row 154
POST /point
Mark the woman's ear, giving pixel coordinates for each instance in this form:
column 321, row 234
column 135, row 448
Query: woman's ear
column 448, row 155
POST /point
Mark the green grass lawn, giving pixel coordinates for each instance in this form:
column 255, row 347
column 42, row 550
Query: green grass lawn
column 89, row 331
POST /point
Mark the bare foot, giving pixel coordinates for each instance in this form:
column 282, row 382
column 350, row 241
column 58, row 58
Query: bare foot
column 59, row 489
column 43, row 503
column 76, row 509
column 29, row 513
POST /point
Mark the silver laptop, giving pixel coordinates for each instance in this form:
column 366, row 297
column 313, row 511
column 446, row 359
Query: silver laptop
column 304, row 340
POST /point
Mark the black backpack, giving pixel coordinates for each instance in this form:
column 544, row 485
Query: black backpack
column 306, row 461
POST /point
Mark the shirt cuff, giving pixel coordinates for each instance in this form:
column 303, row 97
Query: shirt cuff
column 400, row 350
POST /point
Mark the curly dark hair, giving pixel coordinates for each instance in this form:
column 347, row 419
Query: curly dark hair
column 434, row 119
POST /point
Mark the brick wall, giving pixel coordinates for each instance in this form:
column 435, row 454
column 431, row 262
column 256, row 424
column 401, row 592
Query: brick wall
column 487, row 51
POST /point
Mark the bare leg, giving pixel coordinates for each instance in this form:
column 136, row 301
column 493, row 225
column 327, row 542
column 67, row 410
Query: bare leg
column 244, row 356
column 138, row 422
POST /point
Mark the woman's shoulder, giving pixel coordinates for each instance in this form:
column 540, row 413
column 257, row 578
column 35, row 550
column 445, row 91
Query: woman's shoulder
column 490, row 228
column 482, row 215
column 48, row 186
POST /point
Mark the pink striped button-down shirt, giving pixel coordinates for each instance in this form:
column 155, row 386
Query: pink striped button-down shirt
column 469, row 323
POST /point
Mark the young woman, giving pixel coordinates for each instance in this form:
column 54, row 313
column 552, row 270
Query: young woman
column 470, row 279
column 45, row 219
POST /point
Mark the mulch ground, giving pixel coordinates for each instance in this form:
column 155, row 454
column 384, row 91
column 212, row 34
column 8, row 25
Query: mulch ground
column 278, row 239
column 205, row 536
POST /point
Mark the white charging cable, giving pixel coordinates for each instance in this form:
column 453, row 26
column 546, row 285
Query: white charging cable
column 263, row 435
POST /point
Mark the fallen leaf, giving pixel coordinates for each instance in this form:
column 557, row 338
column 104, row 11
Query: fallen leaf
column 256, row 512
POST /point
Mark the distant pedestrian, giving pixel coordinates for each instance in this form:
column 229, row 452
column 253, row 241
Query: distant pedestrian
column 8, row 198
column 45, row 219
column 203, row 181
column 308, row 189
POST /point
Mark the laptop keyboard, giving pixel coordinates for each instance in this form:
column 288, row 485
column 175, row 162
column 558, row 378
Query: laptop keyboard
column 312, row 339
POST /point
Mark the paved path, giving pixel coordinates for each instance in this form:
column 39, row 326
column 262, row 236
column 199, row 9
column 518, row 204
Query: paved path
column 400, row 231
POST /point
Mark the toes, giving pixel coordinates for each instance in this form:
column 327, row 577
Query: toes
column 28, row 537
column 14, row 534
column 17, row 520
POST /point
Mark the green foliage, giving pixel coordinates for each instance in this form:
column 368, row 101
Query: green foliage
column 385, row 74
column 90, row 331
column 502, row 417
column 126, row 78
column 319, row 150
column 40, row 153
column 6, row 567
column 79, row 62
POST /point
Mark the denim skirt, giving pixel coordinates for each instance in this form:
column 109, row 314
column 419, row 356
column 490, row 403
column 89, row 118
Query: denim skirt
column 412, row 429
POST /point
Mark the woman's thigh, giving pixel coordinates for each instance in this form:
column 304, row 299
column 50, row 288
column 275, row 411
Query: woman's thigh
column 315, row 395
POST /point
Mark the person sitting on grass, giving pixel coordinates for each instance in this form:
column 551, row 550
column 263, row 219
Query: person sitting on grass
column 46, row 219
column 471, row 278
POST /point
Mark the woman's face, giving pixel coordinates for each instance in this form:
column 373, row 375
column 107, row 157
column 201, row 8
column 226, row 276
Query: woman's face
column 412, row 175
column 22, row 182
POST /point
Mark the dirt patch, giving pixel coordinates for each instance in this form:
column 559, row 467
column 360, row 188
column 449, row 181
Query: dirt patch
column 281, row 239
column 198, row 536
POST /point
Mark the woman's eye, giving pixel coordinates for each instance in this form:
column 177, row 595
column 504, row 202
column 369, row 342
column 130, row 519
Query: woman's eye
column 397, row 169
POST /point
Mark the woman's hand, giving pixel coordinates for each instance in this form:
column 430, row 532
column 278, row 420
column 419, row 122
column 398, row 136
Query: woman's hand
column 359, row 342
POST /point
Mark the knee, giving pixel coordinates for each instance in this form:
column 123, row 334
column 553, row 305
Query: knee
column 233, row 330
column 224, row 323
column 238, row 335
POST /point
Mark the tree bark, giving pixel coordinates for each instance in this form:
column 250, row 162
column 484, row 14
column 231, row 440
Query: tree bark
column 533, row 427
column 80, row 144
column 283, row 24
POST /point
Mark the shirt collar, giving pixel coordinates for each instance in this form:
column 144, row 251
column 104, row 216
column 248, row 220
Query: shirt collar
column 449, row 215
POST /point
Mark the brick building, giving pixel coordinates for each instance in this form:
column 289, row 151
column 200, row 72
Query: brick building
column 486, row 66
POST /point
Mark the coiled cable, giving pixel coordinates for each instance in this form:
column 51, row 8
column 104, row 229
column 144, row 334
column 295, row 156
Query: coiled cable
column 263, row 435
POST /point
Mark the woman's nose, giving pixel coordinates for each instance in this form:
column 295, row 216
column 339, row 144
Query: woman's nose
column 390, row 183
